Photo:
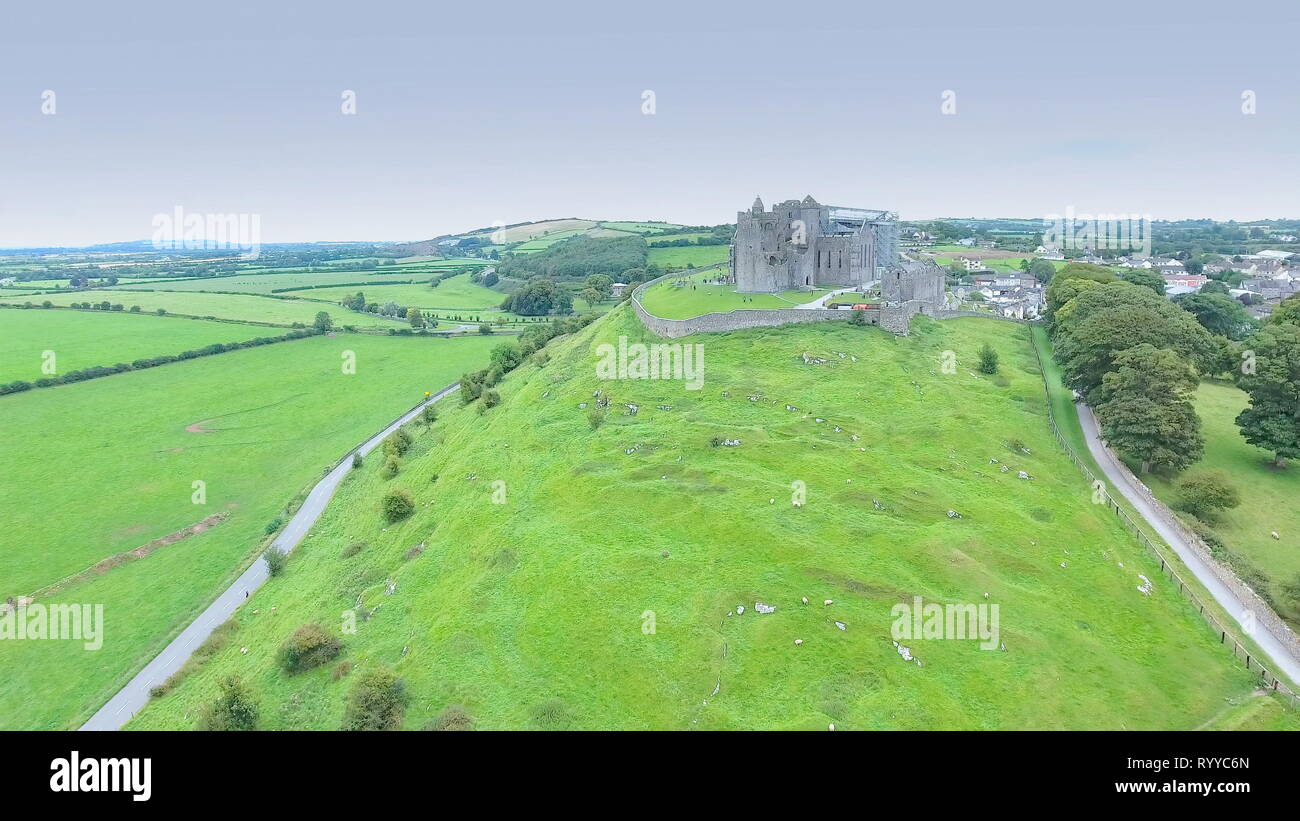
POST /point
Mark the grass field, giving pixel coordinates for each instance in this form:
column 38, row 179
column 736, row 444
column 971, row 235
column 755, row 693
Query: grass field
column 279, row 414
column 641, row 227
column 1270, row 498
column 456, row 292
column 240, row 307
column 535, row 612
column 266, row 283
column 666, row 300
column 697, row 255
column 82, row 339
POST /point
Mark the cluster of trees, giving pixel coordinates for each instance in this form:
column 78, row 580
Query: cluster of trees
column 391, row 309
column 577, row 258
column 509, row 355
column 539, row 297
column 148, row 362
column 1137, row 358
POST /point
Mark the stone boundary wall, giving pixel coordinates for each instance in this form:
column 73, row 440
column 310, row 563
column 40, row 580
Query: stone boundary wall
column 893, row 318
column 1263, row 612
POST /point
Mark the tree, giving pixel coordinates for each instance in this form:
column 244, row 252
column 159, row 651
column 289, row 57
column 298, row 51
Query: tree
column 485, row 329
column 1214, row 286
column 1042, row 270
column 1145, row 410
column 858, row 317
column 1272, row 421
column 988, row 359
column 429, row 414
column 1145, row 278
column 1059, row 293
column 377, row 702
column 1218, row 313
column 323, row 322
column 356, row 461
column 275, row 559
column 415, row 318
column 1288, row 312
column 1105, row 319
column 1204, row 494
column 591, row 295
column 398, row 504
column 234, row 709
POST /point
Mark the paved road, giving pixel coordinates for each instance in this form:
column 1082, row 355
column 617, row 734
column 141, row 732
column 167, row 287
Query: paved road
column 820, row 302
column 1281, row 656
column 128, row 701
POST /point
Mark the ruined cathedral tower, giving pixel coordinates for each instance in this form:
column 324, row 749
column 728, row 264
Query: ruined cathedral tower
column 809, row 245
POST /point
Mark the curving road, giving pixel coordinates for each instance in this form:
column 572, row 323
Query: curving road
column 128, row 701
column 1279, row 653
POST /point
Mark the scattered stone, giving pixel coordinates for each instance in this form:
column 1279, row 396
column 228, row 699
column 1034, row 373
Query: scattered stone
column 726, row 394
column 772, row 501
column 841, row 625
column 798, row 642
column 1005, row 469
column 731, row 443
column 812, row 360
column 1023, row 475
column 665, row 407
column 791, row 408
column 740, row 610
column 855, row 437
column 906, row 653
column 838, row 429
column 243, row 650
column 952, row 514
column 993, row 461
column 582, row 404
column 753, row 399
column 1062, row 564
column 877, row 504
column 1274, row 535
column 805, row 599
column 828, row 603
column 1145, row 587
column 764, row 608
column 632, row 409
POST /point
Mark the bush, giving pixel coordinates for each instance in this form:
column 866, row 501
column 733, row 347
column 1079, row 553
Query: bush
column 429, row 415
column 452, row 718
column 274, row 525
column 352, row 549
column 491, row 399
column 234, row 709
column 596, row 418
column 377, row 702
column 1204, row 494
column 392, row 466
column 357, row 461
column 398, row 504
column 551, row 714
column 310, row 646
column 988, row 359
column 275, row 559
column 858, row 317
column 398, row 442
column 485, row 329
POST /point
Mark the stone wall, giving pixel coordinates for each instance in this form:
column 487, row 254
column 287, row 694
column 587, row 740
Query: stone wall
column 1263, row 612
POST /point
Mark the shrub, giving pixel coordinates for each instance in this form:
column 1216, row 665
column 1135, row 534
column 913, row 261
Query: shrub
column 234, row 709
column 398, row 442
column 858, row 317
column 352, row 550
column 551, row 714
column 398, row 504
column 429, row 415
column 1204, row 494
column 491, row 399
column 275, row 559
column 377, row 702
column 341, row 669
column 274, row 525
column 453, row 718
column 310, row 646
column 485, row 329
column 357, row 461
column 596, row 418
column 988, row 359
column 392, row 466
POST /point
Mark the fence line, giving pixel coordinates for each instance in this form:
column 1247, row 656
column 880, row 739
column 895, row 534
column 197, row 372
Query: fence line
column 1238, row 651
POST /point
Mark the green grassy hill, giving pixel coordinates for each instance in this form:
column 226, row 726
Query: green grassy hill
column 531, row 609
column 99, row 468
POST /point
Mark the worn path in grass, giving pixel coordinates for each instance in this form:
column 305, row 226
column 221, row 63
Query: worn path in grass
column 1277, row 651
column 121, row 707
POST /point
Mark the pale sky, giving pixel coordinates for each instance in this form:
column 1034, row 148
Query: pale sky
column 473, row 113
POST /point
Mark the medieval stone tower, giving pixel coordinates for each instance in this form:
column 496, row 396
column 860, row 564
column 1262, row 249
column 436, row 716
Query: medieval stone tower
column 804, row 244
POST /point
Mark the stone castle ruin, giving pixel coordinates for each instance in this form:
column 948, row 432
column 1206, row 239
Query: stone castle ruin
column 810, row 245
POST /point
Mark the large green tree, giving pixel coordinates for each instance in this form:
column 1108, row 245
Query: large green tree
column 1094, row 326
column 1146, row 278
column 1270, row 374
column 1218, row 313
column 1145, row 410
